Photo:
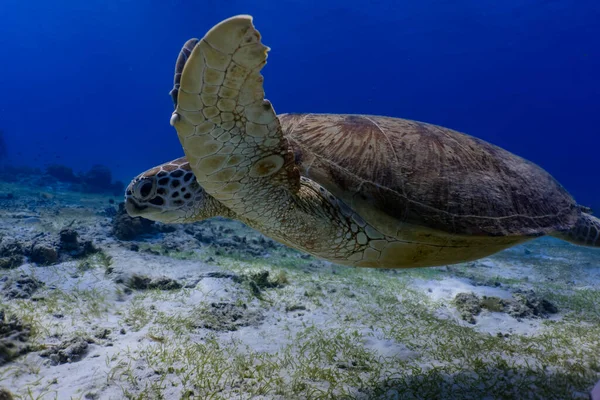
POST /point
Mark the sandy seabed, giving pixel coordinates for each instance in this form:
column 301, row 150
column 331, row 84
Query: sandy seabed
column 214, row 310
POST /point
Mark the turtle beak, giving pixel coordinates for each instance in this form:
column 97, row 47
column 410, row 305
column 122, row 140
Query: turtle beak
column 133, row 208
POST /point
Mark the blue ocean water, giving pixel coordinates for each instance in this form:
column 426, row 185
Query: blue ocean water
column 83, row 83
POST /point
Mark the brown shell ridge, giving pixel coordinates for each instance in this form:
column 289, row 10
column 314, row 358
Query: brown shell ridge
column 426, row 175
column 403, row 194
column 326, row 161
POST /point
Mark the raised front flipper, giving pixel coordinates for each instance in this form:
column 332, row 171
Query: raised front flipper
column 229, row 132
column 235, row 146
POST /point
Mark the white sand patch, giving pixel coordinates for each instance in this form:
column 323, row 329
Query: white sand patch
column 487, row 321
column 448, row 288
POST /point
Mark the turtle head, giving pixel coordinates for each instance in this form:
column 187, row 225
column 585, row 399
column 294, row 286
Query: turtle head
column 169, row 193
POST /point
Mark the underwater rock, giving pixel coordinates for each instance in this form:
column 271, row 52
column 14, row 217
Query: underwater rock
column 524, row 304
column 169, row 246
column 22, row 287
column 528, row 304
column 68, row 240
column 44, row 254
column 295, row 307
column 99, row 180
column 223, row 275
column 227, row 317
column 266, row 243
column 11, row 262
column 143, row 282
column 14, row 336
column 68, row 351
column 205, row 236
column 468, row 304
column 257, row 281
column 62, row 173
column 110, row 212
column 70, row 244
column 228, row 241
column 128, row 228
column 261, row 280
column 125, row 227
column 164, row 283
column 11, row 253
column 492, row 303
column 46, row 251
column 10, row 247
column 517, row 310
column 102, row 333
column 139, row 282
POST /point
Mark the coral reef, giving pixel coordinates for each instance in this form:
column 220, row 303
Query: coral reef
column 62, row 173
column 524, row 304
column 70, row 244
column 142, row 282
column 468, row 305
column 126, row 228
column 44, row 249
column 44, row 254
column 11, row 253
column 223, row 316
column 99, row 180
column 68, row 351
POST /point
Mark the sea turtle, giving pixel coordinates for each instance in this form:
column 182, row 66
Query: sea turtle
column 357, row 190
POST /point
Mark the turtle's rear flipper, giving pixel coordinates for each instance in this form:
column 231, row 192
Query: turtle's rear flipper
column 586, row 231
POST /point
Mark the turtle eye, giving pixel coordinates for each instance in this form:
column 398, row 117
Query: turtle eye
column 143, row 189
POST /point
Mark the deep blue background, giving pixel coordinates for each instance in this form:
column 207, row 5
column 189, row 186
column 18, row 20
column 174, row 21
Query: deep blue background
column 84, row 82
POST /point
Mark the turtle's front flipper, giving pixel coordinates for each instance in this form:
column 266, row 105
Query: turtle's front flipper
column 233, row 141
column 229, row 132
column 586, row 231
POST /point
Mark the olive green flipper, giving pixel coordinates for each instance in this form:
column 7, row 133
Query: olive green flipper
column 586, row 231
column 229, row 132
